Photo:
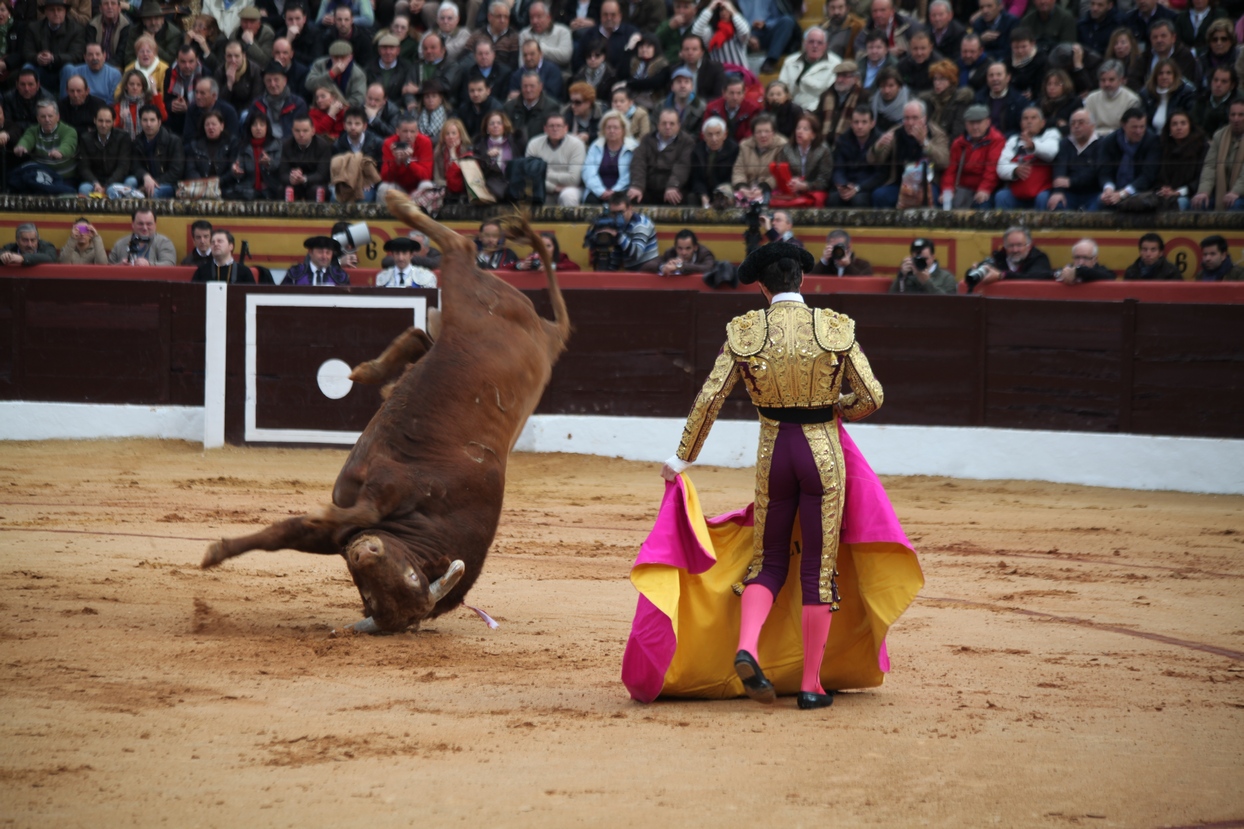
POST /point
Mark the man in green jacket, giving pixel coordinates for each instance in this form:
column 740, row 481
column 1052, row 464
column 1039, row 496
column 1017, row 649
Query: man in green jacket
column 49, row 150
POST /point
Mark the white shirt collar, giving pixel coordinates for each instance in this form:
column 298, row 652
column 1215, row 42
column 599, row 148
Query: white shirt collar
column 787, row 296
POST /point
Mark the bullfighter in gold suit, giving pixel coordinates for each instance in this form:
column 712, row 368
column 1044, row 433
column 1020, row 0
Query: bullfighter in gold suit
column 794, row 362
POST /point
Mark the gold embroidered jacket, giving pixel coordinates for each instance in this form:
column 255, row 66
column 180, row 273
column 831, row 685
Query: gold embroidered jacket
column 788, row 356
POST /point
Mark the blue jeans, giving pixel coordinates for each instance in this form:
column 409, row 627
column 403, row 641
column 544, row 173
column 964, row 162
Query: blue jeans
column 774, row 38
column 1004, row 199
column 886, row 197
column 1090, row 202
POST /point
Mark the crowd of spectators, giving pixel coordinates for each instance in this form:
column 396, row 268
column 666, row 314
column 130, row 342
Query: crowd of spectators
column 1035, row 104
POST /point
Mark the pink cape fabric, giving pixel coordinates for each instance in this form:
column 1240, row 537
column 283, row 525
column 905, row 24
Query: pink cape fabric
column 686, row 604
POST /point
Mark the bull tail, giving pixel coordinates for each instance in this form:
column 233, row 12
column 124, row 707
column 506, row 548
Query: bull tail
column 518, row 224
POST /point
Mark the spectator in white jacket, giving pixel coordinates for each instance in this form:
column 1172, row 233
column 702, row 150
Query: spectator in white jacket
column 553, row 164
column 608, row 165
column 811, row 72
column 1027, row 163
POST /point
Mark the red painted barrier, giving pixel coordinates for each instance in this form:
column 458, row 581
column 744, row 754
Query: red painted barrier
column 1209, row 293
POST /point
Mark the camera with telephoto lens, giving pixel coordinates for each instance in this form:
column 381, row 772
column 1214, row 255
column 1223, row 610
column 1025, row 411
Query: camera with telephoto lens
column 975, row 274
column 920, row 263
column 135, row 249
column 601, row 241
column 838, row 252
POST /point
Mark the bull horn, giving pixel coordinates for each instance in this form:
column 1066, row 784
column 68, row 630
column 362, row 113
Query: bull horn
column 441, row 587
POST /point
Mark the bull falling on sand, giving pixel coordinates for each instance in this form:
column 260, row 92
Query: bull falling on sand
column 416, row 506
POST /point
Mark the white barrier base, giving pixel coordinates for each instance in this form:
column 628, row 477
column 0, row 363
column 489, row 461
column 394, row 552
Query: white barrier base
column 1205, row 465
column 25, row 420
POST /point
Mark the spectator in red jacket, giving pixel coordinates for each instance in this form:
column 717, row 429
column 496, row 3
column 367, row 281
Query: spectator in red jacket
column 735, row 109
column 972, row 177
column 408, row 159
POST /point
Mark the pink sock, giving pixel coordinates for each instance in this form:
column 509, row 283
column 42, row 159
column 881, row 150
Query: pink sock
column 816, row 621
column 757, row 600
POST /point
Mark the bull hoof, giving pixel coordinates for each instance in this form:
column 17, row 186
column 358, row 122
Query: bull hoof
column 215, row 555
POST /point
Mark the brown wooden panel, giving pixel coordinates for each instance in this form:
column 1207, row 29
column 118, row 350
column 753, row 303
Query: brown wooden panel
column 10, row 316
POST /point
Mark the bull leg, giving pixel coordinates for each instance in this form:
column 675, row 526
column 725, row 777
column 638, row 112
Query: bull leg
column 406, row 348
column 305, row 534
column 406, row 212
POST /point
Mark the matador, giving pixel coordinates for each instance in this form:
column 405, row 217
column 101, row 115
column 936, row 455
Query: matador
column 803, row 370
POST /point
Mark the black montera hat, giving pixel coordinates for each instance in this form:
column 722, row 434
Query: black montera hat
column 402, row 243
column 320, row 242
column 759, row 260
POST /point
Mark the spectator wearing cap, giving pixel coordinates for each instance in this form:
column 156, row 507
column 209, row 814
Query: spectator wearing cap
column 278, row 102
column 1075, row 185
column 398, row 77
column 339, row 69
column 920, row 273
column 972, row 177
column 1152, row 263
column 840, row 100
column 403, row 274
column 1084, row 266
column 318, row 268
column 550, row 74
column 168, row 38
column 682, row 99
column 53, row 42
column 256, row 36
column 1027, row 162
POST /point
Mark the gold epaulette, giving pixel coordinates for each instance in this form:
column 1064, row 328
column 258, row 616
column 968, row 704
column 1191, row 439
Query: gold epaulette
column 834, row 331
column 747, row 334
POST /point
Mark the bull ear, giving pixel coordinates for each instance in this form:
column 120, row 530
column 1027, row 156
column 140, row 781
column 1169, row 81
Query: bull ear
column 441, row 587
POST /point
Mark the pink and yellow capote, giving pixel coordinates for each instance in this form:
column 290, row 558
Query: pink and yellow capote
column 686, row 626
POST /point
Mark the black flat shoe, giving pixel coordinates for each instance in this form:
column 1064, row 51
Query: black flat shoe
column 810, row 699
column 754, row 682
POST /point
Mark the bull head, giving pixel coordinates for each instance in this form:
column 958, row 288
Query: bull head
column 396, row 594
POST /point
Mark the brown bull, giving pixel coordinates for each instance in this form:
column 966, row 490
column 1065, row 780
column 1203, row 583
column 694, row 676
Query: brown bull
column 416, row 506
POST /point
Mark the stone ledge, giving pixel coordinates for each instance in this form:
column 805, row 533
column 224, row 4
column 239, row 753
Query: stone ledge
column 837, row 217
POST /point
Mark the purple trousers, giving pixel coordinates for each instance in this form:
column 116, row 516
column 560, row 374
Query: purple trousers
column 795, row 487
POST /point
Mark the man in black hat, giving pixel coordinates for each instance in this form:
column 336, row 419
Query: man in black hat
column 797, row 362
column 54, row 42
column 403, row 274
column 168, row 37
column 318, row 268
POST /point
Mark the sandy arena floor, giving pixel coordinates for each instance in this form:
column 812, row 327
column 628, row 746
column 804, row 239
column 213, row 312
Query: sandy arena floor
column 1076, row 659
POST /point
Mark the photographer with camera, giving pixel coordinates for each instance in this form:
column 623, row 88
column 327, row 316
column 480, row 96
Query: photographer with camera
column 143, row 246
column 838, row 258
column 778, row 227
column 919, row 273
column 687, row 256
column 1018, row 259
column 85, row 247
column 1084, row 266
column 621, row 240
